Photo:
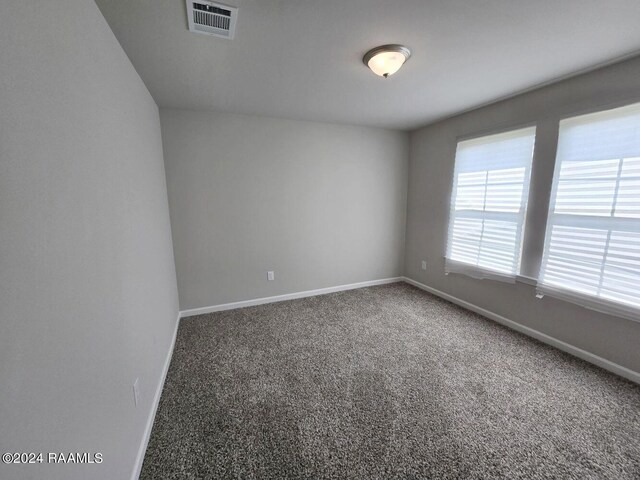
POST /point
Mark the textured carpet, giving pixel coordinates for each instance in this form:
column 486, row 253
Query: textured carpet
column 384, row 382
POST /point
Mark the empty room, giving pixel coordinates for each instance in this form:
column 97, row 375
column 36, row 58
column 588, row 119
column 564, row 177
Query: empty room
column 319, row 239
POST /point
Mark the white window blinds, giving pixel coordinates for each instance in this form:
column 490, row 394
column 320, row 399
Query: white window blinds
column 592, row 246
column 488, row 204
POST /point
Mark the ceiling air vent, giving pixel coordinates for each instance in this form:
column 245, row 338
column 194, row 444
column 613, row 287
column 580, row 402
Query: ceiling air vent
column 211, row 18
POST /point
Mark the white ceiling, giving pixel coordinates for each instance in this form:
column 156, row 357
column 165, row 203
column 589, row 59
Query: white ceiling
column 301, row 59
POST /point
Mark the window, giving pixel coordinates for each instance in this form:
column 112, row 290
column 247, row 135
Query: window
column 488, row 204
column 592, row 245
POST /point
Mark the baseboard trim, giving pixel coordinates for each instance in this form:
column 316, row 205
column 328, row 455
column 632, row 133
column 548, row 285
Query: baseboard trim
column 154, row 407
column 543, row 337
column 288, row 296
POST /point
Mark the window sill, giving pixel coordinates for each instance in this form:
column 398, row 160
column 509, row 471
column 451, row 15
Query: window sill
column 527, row 280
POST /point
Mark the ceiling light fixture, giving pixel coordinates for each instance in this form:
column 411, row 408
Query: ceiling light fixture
column 387, row 59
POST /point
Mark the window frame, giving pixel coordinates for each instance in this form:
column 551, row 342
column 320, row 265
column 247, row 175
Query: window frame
column 474, row 270
column 590, row 301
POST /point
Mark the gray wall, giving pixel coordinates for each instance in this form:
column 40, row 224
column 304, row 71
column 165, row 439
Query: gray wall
column 320, row 204
column 431, row 171
column 88, row 299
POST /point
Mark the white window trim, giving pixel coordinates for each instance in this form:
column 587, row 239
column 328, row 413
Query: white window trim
column 592, row 302
column 475, row 271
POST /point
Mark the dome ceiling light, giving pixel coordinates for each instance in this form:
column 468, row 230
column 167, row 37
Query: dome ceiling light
column 386, row 59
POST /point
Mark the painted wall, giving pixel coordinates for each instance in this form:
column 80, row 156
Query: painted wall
column 320, row 204
column 88, row 298
column 430, row 179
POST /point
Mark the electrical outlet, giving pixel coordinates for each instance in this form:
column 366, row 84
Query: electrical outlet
column 424, row 264
column 271, row 276
column 136, row 391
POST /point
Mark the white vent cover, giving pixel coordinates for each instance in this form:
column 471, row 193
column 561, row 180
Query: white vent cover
column 211, row 18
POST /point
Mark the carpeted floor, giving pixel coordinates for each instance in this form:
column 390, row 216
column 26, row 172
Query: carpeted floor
column 384, row 382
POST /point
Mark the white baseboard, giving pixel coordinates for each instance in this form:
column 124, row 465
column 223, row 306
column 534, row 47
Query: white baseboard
column 154, row 407
column 543, row 337
column 288, row 296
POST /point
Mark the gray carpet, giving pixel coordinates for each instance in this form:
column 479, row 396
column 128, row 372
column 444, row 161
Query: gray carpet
column 384, row 382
